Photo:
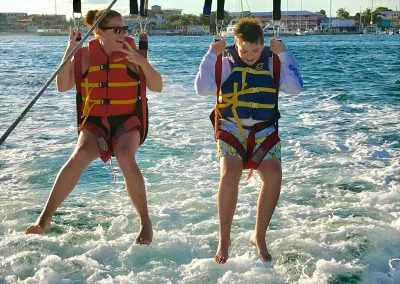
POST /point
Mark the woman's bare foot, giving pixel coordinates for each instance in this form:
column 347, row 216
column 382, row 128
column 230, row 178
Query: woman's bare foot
column 39, row 227
column 261, row 248
column 145, row 235
column 222, row 252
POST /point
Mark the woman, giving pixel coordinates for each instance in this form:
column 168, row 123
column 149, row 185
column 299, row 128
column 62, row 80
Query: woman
column 106, row 75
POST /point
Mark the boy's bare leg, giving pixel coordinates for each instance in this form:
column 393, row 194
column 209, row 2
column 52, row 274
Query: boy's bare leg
column 230, row 173
column 125, row 151
column 86, row 150
column 270, row 172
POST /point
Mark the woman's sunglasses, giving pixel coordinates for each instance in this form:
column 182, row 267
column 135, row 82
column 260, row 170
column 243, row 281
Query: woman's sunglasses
column 118, row 30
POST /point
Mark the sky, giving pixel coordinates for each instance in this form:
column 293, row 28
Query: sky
column 64, row 7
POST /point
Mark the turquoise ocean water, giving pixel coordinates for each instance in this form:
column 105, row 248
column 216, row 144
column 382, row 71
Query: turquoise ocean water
column 338, row 218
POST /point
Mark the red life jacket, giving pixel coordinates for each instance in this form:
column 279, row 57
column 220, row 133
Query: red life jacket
column 106, row 88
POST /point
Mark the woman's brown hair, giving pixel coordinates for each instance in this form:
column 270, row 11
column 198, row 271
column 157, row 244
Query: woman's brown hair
column 92, row 16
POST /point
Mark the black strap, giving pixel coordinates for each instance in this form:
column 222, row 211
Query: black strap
column 207, row 7
column 277, row 10
column 143, row 8
column 220, row 9
column 133, row 7
column 76, row 7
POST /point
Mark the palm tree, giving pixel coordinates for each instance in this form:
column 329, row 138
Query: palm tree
column 342, row 13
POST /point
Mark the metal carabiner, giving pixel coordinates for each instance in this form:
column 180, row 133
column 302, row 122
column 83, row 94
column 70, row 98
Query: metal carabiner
column 276, row 29
column 219, row 25
column 77, row 23
column 142, row 24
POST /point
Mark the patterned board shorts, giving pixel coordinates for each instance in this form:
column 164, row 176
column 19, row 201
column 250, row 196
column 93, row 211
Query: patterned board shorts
column 225, row 149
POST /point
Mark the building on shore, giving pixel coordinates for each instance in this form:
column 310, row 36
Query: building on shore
column 12, row 22
column 196, row 30
column 22, row 22
column 337, row 25
column 294, row 20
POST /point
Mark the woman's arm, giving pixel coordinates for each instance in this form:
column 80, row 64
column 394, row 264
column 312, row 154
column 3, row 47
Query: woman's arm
column 65, row 79
column 153, row 78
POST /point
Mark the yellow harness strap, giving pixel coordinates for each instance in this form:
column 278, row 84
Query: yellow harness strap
column 109, row 66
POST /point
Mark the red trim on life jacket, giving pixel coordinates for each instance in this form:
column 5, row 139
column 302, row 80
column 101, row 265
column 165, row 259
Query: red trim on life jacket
column 78, row 77
column 276, row 65
column 106, row 146
column 102, row 140
column 143, row 46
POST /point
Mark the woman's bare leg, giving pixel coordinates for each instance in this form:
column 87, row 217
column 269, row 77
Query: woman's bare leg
column 85, row 152
column 125, row 151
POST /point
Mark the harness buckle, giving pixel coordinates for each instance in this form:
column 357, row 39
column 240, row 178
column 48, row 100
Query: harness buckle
column 104, row 67
column 252, row 105
column 105, row 101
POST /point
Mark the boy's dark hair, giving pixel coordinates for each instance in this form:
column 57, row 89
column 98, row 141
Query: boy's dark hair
column 249, row 30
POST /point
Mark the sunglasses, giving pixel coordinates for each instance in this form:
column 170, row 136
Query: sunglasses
column 118, row 30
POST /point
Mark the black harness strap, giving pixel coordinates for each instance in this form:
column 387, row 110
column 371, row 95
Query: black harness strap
column 76, row 7
column 133, row 7
column 143, row 8
column 276, row 14
column 207, row 7
column 220, row 9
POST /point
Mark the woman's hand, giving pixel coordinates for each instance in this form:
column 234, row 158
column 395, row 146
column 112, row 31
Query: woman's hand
column 276, row 46
column 218, row 46
column 132, row 55
column 73, row 35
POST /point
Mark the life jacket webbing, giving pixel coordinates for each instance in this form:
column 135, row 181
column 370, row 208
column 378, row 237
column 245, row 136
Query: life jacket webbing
column 218, row 80
column 248, row 91
column 102, row 138
column 249, row 159
column 276, row 63
column 78, row 77
column 143, row 46
column 106, row 66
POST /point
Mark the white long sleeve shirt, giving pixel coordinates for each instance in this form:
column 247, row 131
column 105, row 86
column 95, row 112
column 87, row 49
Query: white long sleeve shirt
column 205, row 84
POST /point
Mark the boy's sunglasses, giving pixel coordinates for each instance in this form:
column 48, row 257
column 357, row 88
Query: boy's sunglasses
column 118, row 30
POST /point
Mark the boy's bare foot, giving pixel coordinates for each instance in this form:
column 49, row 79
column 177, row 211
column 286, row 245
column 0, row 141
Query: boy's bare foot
column 145, row 235
column 39, row 227
column 222, row 252
column 261, row 248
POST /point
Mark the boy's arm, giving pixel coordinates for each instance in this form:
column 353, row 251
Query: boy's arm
column 205, row 80
column 205, row 83
column 290, row 80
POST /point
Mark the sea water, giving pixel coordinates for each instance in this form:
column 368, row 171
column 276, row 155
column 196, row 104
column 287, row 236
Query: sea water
column 338, row 217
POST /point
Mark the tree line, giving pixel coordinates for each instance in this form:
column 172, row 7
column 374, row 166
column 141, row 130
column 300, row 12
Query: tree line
column 364, row 18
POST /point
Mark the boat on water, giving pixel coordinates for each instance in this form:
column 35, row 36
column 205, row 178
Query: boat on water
column 229, row 30
column 270, row 29
column 51, row 32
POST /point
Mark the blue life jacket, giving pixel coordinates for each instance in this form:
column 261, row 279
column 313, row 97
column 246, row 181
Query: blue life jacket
column 250, row 91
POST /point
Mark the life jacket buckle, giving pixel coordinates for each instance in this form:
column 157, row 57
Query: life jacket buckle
column 105, row 101
column 103, row 84
column 104, row 67
column 252, row 105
